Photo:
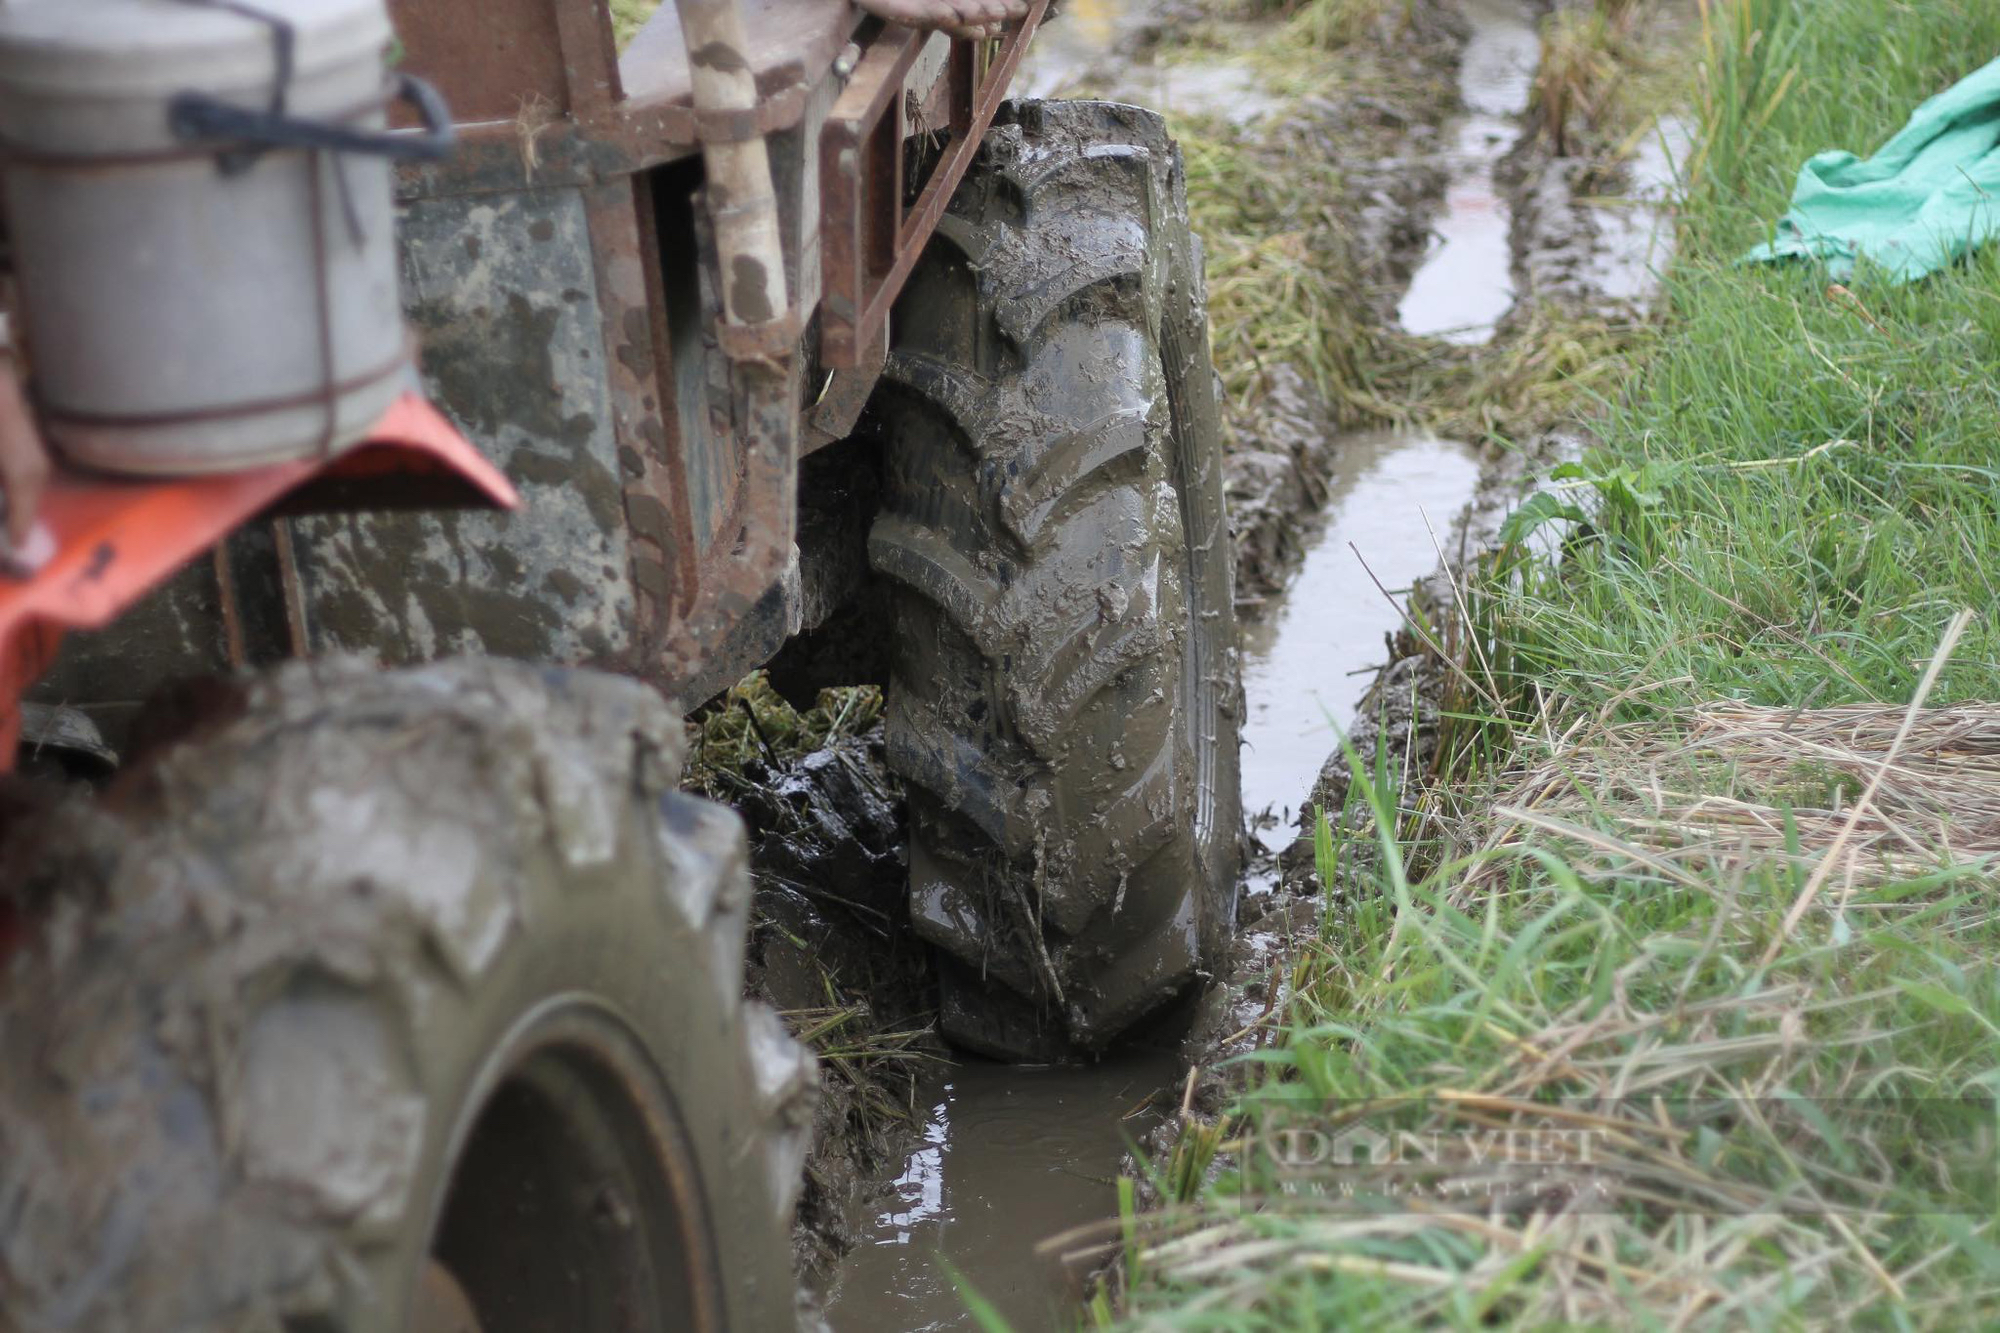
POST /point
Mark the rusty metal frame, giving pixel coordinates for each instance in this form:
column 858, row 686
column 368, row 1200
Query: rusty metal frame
column 599, row 131
column 867, row 249
column 580, row 127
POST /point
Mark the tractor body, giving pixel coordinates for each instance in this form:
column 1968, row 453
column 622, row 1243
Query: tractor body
column 560, row 273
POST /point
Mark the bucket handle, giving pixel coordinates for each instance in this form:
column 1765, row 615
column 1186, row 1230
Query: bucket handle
column 199, row 118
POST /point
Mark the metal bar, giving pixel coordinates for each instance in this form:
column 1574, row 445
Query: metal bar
column 875, row 87
column 639, row 372
column 590, row 58
column 856, row 300
column 232, row 609
column 291, row 590
column 878, row 78
column 962, row 81
column 882, row 167
column 831, row 419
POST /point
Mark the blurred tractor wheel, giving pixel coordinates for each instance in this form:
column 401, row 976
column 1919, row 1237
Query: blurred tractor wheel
column 396, row 1001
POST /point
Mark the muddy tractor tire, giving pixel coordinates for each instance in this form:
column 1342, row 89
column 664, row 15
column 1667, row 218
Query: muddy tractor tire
column 1065, row 699
column 390, row 1002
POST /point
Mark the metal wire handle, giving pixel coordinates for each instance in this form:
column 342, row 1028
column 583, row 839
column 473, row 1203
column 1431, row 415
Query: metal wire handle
column 198, row 118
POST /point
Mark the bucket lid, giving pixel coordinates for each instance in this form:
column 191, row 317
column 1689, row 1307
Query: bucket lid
column 141, row 49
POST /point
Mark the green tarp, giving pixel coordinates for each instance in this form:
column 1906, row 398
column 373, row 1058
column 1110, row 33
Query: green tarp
column 1929, row 196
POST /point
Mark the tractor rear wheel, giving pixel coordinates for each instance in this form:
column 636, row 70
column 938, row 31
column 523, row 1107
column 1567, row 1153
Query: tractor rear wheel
column 1065, row 699
column 405, row 1001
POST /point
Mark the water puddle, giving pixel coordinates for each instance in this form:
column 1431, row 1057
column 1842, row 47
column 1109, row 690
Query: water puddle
column 1306, row 659
column 1466, row 282
column 1009, row 1157
column 1635, row 232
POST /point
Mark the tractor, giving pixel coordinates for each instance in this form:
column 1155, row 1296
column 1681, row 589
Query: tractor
column 362, row 966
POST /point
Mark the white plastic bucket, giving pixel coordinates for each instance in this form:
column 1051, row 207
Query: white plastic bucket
column 204, row 239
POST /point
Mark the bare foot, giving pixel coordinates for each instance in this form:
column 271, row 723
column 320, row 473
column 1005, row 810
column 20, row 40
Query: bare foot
column 960, row 18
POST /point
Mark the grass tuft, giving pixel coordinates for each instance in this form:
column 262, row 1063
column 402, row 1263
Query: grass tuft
column 628, row 16
column 1577, row 75
column 753, row 723
column 1281, row 280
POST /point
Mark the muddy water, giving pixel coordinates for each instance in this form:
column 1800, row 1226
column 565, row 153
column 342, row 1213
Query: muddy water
column 1009, row 1156
column 1466, row 281
column 1307, row 657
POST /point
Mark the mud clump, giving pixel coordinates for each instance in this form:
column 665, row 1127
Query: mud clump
column 828, row 827
column 831, row 948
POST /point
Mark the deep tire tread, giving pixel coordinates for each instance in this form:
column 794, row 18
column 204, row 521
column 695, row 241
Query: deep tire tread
column 1045, row 761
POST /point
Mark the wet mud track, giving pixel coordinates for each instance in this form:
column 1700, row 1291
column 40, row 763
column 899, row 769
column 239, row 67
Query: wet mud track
column 1311, row 651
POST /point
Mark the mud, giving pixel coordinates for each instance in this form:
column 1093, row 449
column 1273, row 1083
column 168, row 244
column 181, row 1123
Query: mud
column 1385, row 132
column 1069, row 57
column 1593, row 236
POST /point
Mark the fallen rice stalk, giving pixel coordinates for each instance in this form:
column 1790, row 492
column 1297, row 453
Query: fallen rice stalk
column 1746, row 787
column 1813, row 885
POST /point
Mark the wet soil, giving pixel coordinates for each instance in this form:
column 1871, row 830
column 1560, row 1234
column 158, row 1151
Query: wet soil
column 1098, row 48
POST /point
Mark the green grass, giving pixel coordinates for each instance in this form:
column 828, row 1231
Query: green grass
column 1792, row 502
column 628, row 16
column 753, row 724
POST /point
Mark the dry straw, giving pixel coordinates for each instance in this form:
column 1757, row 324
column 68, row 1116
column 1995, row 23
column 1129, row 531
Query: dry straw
column 1853, row 796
